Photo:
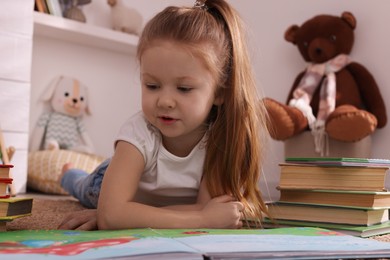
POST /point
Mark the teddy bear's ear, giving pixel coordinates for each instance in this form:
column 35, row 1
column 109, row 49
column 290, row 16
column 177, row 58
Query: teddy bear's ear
column 349, row 18
column 290, row 33
column 49, row 91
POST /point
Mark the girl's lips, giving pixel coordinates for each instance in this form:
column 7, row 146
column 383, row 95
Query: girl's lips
column 167, row 120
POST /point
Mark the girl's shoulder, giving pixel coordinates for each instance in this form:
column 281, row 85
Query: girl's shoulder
column 140, row 133
column 138, row 124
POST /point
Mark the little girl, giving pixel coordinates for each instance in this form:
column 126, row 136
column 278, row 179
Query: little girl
column 192, row 157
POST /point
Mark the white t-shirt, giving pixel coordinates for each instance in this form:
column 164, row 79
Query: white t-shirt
column 167, row 179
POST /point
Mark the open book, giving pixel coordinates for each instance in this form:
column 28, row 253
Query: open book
column 296, row 243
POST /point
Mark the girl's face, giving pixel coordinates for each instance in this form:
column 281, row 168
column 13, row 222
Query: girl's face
column 177, row 91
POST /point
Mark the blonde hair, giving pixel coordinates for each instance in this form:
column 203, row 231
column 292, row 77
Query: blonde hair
column 237, row 134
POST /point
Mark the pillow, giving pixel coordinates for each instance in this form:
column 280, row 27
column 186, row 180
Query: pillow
column 44, row 168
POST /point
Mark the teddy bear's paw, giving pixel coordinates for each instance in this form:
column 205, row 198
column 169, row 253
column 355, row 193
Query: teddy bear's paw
column 349, row 124
column 52, row 145
column 283, row 120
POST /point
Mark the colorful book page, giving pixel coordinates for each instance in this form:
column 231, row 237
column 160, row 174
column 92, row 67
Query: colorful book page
column 296, row 242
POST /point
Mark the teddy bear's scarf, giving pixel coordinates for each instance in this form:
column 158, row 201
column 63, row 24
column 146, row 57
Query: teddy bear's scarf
column 303, row 94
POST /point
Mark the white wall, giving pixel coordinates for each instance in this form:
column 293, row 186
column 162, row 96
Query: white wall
column 276, row 62
column 15, row 59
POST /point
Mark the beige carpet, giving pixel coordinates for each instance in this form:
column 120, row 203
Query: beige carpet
column 48, row 212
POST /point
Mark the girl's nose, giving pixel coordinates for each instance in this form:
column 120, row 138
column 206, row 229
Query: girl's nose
column 166, row 100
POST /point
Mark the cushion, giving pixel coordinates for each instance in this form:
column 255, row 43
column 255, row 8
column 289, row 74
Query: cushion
column 302, row 145
column 44, row 168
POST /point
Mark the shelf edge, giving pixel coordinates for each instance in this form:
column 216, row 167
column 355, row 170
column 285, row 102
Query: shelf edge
column 81, row 33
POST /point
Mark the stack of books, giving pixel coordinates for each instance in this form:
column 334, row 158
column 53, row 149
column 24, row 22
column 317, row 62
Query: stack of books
column 5, row 180
column 11, row 207
column 343, row 194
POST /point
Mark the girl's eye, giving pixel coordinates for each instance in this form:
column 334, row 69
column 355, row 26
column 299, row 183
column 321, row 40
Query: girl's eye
column 151, row 86
column 184, row 89
column 66, row 94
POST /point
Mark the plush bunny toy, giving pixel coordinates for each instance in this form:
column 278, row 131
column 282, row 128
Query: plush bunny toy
column 62, row 128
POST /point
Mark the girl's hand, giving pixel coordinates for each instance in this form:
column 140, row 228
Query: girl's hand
column 223, row 212
column 80, row 220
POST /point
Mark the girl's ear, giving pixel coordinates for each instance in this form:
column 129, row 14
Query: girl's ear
column 218, row 99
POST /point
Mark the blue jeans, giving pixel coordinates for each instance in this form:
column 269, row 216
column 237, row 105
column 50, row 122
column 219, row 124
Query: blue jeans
column 84, row 186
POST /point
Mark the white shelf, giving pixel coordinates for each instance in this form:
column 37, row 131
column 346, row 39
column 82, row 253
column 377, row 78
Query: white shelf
column 82, row 33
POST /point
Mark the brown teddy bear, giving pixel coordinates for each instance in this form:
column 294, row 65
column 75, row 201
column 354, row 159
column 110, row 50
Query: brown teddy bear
column 334, row 95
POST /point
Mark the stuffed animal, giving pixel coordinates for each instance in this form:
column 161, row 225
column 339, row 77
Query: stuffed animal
column 62, row 127
column 125, row 19
column 334, row 95
column 71, row 9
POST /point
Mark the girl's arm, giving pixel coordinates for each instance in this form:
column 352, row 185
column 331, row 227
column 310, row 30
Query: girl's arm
column 116, row 210
column 203, row 198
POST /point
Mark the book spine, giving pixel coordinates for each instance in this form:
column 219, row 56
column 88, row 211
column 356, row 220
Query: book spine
column 54, row 7
column 332, row 178
column 41, row 6
column 6, row 180
column 6, row 166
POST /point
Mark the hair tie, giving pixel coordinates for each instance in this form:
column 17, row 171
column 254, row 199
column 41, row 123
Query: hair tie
column 201, row 5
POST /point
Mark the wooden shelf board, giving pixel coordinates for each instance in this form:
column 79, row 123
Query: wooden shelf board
column 82, row 33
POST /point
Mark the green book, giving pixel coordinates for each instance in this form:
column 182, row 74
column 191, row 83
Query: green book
column 15, row 206
column 329, row 214
column 362, row 231
column 339, row 161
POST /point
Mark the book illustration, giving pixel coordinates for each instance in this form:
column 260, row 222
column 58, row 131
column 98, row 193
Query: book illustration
column 197, row 243
column 78, row 244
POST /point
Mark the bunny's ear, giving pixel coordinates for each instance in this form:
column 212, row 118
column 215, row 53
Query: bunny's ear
column 87, row 109
column 49, row 91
